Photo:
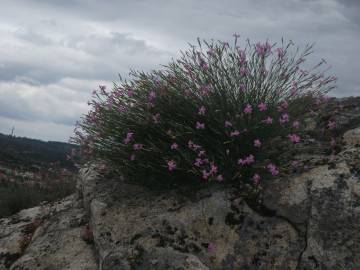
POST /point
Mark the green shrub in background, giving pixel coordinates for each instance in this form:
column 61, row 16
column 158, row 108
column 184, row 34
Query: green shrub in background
column 15, row 196
column 205, row 117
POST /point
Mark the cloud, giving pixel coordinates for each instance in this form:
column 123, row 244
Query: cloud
column 54, row 53
column 60, row 103
column 88, row 54
column 351, row 9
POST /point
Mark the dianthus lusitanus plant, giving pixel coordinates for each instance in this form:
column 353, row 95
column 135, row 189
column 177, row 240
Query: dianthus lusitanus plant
column 208, row 116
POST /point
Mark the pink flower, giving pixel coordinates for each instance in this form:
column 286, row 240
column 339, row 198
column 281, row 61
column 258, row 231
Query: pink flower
column 241, row 161
column 228, row 124
column 296, row 124
column 262, row 49
column 128, row 138
column 201, row 153
column 331, row 124
column 202, row 110
column 247, row 160
column 250, row 159
column 234, row 133
column 205, row 89
column 268, row 120
column 213, row 169
column 242, row 88
column 200, row 125
column 174, row 146
column 152, row 96
column 198, row 162
column 110, row 103
column 294, row 138
column 272, row 169
column 257, row 143
column 256, row 179
column 132, row 157
column 220, row 178
column 293, row 91
column 205, row 174
column 137, row 146
column 204, row 65
column 248, row 109
column 193, row 146
column 130, row 92
column 120, row 108
column 243, row 71
column 241, row 57
column 211, row 248
column 262, row 107
column 284, row 104
column 171, row 165
column 211, row 52
column 284, row 118
column 157, row 81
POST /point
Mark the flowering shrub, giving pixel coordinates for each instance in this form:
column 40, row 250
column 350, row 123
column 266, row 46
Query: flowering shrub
column 207, row 116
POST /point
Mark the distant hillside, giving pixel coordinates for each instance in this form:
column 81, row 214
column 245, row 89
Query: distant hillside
column 25, row 152
column 32, row 171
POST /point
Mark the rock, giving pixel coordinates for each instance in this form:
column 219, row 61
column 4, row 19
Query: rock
column 58, row 245
column 138, row 226
column 324, row 203
column 352, row 137
column 46, row 237
column 16, row 232
column 86, row 185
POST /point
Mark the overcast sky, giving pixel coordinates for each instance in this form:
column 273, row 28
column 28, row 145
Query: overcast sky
column 54, row 53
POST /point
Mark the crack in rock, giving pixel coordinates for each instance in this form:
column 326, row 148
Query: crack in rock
column 306, row 234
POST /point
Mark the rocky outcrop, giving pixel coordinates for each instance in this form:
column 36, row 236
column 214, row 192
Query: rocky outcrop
column 308, row 221
column 308, row 218
column 324, row 204
column 47, row 237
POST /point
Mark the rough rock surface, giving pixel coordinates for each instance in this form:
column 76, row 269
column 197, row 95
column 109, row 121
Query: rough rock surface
column 309, row 218
column 46, row 237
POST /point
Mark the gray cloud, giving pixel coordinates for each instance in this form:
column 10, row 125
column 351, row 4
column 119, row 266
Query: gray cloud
column 54, row 53
column 351, row 9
